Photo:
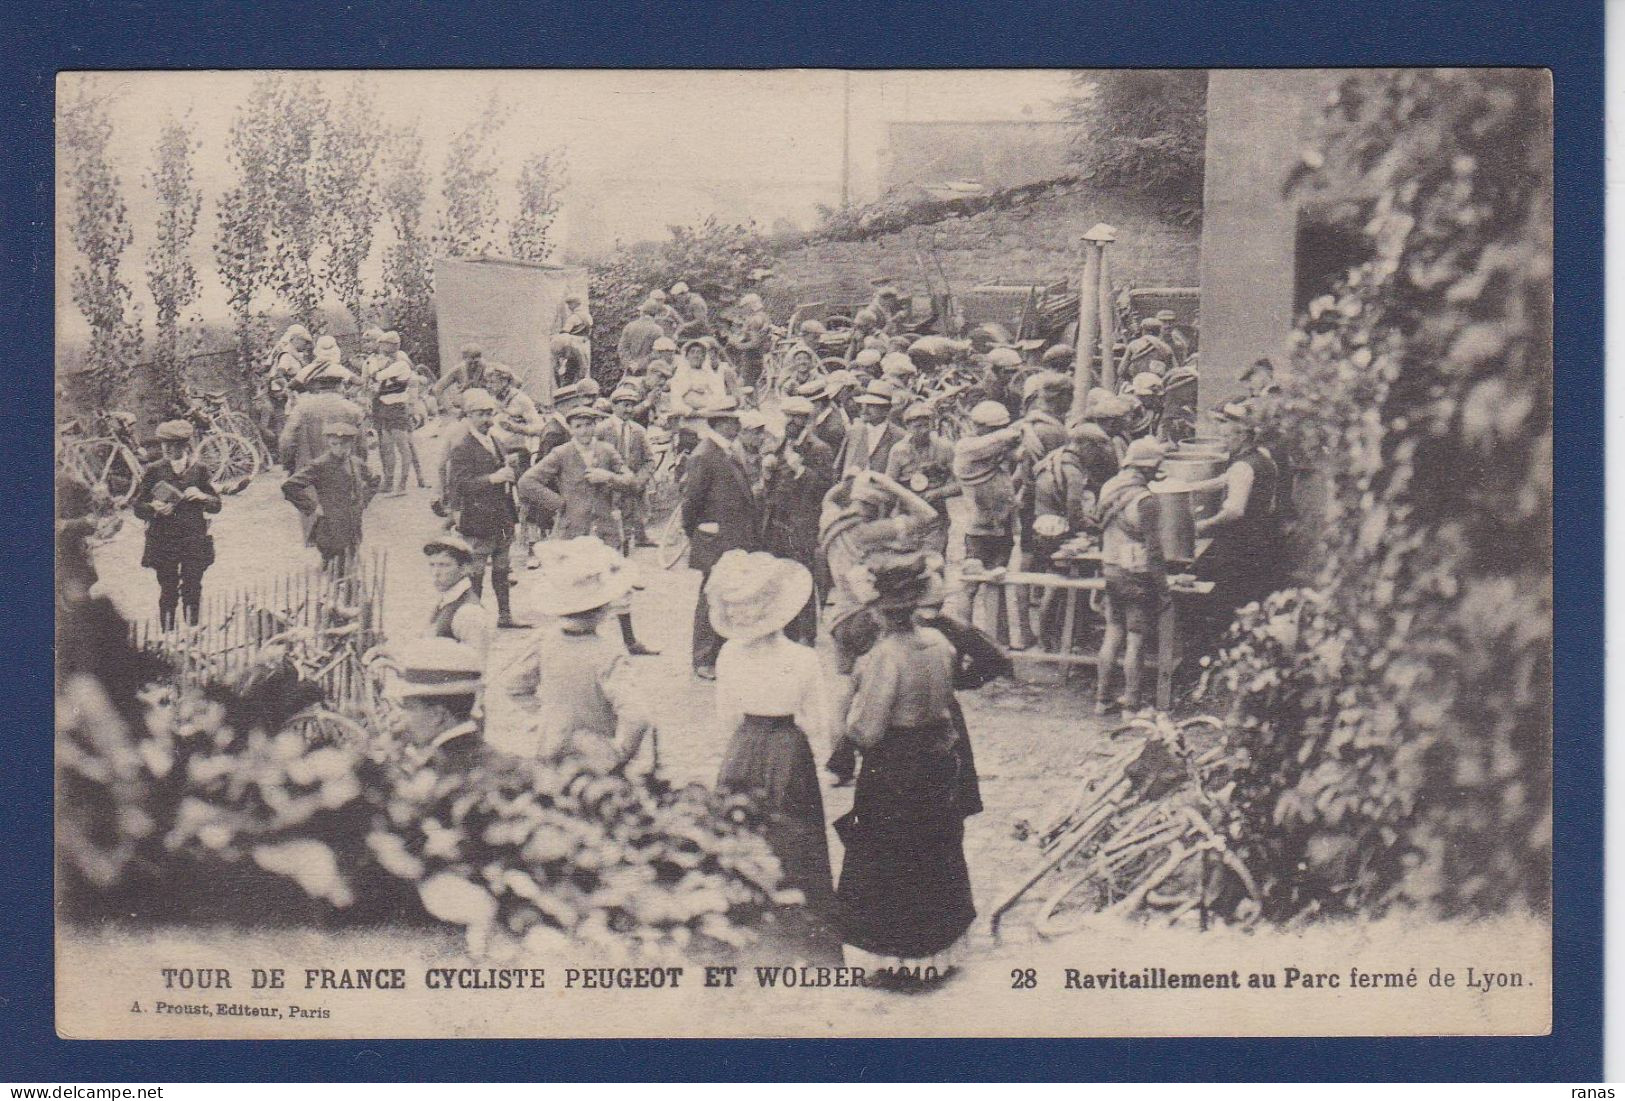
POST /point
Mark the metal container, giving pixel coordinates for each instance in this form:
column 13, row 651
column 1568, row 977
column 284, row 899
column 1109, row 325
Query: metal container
column 1177, row 525
column 1181, row 469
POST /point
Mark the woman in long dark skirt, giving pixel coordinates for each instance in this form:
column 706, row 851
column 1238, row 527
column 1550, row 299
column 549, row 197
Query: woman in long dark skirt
column 904, row 894
column 769, row 698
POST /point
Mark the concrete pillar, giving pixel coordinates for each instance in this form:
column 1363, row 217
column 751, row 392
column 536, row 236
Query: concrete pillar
column 1258, row 123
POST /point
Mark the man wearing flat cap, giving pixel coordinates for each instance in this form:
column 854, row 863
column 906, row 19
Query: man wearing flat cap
column 796, row 476
column 469, row 374
column 631, row 441
column 176, row 498
column 749, row 337
column 479, row 492
column 304, row 438
column 720, row 514
column 830, row 421
column 331, row 493
column 923, row 461
column 457, row 612
column 869, row 441
column 1243, row 561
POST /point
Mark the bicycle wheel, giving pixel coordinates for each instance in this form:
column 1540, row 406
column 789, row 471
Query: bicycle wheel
column 1118, row 875
column 106, row 467
column 230, row 460
column 241, row 424
column 319, row 727
column 673, row 542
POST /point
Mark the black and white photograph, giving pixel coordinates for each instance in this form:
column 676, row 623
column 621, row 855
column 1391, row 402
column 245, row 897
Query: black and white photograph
column 804, row 553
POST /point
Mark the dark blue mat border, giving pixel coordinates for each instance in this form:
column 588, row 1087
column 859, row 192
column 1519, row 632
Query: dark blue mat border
column 44, row 37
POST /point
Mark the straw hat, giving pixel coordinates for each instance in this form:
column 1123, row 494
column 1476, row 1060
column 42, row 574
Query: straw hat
column 868, row 357
column 579, row 575
column 1004, row 357
column 437, row 667
column 752, row 593
column 797, row 405
column 176, row 431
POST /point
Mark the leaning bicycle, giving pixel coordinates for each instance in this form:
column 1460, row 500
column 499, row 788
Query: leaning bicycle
column 1146, row 835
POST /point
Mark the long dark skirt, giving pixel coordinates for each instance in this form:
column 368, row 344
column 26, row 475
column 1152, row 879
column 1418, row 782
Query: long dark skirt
column 905, row 889
column 769, row 757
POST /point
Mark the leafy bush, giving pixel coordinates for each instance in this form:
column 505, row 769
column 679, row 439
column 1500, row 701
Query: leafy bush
column 719, row 260
column 1398, row 712
column 179, row 817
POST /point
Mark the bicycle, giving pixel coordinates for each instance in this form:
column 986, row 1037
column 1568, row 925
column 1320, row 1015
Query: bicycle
column 231, row 447
column 1140, row 836
column 108, row 465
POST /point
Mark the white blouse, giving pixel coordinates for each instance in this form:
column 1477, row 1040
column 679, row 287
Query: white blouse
column 771, row 676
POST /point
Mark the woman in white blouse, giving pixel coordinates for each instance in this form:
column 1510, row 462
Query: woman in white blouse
column 769, row 700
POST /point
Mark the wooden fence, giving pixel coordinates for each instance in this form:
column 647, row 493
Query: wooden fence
column 323, row 623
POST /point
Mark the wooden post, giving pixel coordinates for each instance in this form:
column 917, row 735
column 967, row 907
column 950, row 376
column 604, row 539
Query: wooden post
column 1108, row 322
column 1094, row 316
column 1088, row 327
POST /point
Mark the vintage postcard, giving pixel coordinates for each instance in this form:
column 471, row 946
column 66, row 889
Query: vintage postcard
column 804, row 553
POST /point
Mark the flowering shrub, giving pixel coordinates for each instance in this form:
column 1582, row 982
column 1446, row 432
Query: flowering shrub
column 1398, row 711
column 179, row 817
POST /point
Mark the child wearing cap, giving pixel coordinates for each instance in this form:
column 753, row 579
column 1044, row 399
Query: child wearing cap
column 1134, row 569
column 175, row 498
column 331, row 493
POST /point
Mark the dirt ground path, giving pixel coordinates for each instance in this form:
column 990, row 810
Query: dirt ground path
column 1033, row 738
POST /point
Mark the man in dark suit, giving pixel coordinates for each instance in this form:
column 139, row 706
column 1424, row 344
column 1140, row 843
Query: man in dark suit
column 479, row 492
column 332, row 492
column 720, row 514
column 869, row 441
column 796, row 476
column 629, row 438
column 579, row 482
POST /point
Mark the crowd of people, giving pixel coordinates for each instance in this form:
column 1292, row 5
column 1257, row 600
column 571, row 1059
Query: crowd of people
column 817, row 471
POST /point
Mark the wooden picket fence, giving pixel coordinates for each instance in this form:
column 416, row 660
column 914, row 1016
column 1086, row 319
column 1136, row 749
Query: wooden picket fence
column 325, row 624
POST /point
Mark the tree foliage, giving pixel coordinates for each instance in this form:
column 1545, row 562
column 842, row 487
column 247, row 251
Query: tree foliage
column 1398, row 711
column 719, row 260
column 542, row 179
column 293, row 219
column 344, row 186
column 407, row 296
column 171, row 276
column 241, row 251
column 468, row 217
column 100, row 231
column 1142, row 129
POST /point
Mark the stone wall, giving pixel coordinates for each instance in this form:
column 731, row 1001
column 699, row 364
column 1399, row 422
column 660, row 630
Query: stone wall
column 1038, row 241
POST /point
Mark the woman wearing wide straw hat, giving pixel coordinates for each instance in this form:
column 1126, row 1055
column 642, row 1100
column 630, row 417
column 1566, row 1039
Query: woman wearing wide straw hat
column 768, row 700
column 904, row 892
column 579, row 680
